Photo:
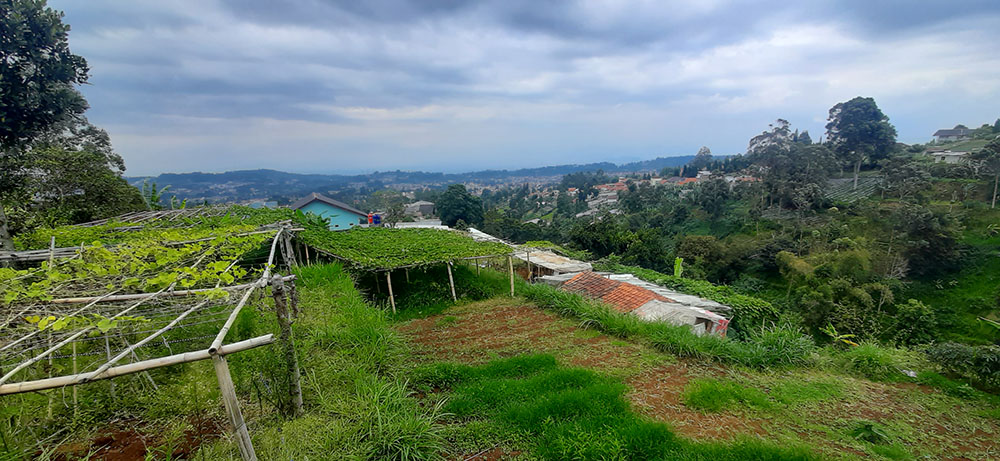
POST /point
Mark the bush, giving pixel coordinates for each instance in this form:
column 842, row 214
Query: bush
column 978, row 363
column 871, row 361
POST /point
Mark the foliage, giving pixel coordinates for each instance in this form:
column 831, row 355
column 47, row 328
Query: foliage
column 859, row 131
column 456, row 204
column 36, row 89
column 979, row 363
column 987, row 162
column 871, row 361
column 382, row 248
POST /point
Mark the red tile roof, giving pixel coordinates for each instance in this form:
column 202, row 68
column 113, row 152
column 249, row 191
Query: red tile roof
column 624, row 296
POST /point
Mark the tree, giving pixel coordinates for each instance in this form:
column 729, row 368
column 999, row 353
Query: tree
column 457, row 203
column 996, row 126
column 702, row 159
column 71, row 177
column 859, row 131
column 904, row 177
column 988, row 162
column 37, row 90
column 392, row 204
column 780, row 135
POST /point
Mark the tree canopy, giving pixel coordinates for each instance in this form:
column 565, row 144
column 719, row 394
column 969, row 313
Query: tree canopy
column 457, row 203
column 37, row 87
column 859, row 131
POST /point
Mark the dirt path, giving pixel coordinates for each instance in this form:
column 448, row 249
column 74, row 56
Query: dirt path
column 478, row 332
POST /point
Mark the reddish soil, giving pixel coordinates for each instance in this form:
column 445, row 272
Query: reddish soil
column 132, row 440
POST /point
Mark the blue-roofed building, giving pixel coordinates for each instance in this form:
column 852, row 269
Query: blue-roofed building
column 340, row 215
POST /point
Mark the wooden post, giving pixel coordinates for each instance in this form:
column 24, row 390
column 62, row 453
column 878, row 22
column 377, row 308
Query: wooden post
column 407, row 274
column 294, row 406
column 477, row 266
column 52, row 251
column 527, row 259
column 451, row 281
column 510, row 265
column 306, row 247
column 392, row 299
column 239, row 426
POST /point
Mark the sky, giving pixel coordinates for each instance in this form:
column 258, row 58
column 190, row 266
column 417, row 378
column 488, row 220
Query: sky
column 442, row 85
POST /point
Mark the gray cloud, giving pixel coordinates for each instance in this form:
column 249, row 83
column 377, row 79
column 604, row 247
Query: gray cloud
column 346, row 85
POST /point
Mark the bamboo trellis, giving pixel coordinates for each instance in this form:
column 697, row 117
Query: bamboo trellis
column 156, row 321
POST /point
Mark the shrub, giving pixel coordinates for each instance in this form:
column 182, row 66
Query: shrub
column 979, row 363
column 871, row 361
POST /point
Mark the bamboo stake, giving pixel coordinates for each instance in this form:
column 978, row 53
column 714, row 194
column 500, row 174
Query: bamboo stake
column 392, row 298
column 281, row 311
column 107, row 348
column 510, row 265
column 75, row 410
column 407, row 270
column 451, row 281
column 239, row 426
column 246, row 296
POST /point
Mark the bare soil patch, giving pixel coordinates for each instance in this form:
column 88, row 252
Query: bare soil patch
column 132, row 440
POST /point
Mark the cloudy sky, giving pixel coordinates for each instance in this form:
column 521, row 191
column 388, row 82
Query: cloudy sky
column 349, row 86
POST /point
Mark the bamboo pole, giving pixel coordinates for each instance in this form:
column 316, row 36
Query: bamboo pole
column 145, row 340
column 75, row 408
column 510, row 266
column 246, row 296
column 451, row 281
column 130, row 297
column 392, row 298
column 287, row 343
column 239, row 426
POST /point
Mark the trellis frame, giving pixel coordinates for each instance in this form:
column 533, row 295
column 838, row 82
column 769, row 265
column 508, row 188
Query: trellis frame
column 216, row 350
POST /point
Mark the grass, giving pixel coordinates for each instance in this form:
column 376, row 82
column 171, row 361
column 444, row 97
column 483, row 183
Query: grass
column 777, row 346
column 354, row 384
column 572, row 413
column 714, row 395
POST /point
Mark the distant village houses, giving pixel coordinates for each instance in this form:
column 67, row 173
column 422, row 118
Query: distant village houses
column 959, row 133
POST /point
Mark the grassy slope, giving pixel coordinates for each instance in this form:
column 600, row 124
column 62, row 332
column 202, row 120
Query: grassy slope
column 824, row 406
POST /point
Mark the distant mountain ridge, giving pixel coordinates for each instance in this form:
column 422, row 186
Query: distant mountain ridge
column 243, row 185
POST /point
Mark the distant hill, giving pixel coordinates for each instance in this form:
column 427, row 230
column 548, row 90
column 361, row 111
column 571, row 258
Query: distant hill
column 243, row 185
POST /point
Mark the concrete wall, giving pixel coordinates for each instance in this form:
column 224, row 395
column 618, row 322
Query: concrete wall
column 339, row 219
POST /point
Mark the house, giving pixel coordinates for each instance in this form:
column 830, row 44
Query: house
column 947, row 156
column 340, row 215
column 420, row 208
column 635, row 297
column 958, row 133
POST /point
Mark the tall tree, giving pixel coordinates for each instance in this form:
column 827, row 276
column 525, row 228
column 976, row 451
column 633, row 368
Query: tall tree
column 702, row 159
column 37, row 87
column 859, row 131
column 988, row 162
column 457, row 203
